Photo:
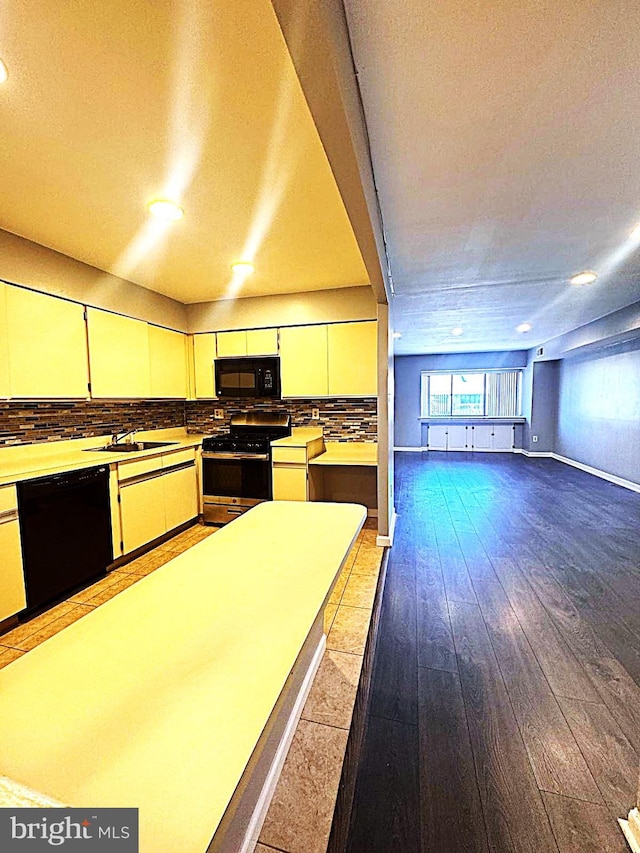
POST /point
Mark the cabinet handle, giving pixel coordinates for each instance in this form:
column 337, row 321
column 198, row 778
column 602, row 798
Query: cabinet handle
column 8, row 515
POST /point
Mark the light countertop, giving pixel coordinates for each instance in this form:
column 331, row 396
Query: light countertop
column 347, row 453
column 26, row 461
column 157, row 698
column 300, row 437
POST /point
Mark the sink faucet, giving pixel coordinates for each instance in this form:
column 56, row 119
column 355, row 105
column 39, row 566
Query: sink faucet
column 117, row 438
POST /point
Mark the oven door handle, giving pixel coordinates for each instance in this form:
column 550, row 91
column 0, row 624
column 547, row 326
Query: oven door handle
column 259, row 457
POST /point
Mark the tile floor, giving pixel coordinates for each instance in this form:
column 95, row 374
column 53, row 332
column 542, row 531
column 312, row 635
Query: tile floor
column 300, row 815
column 299, row 819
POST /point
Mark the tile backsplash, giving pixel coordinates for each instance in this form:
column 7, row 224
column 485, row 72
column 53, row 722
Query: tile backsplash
column 39, row 421
column 31, row 422
column 340, row 419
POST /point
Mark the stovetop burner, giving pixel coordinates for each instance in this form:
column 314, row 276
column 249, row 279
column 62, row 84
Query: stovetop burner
column 250, row 433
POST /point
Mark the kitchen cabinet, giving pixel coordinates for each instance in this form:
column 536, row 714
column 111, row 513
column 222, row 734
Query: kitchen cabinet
column 262, row 342
column 12, row 589
column 180, row 494
column 290, row 469
column 353, row 359
column 47, row 346
column 247, row 342
column 4, row 345
column 118, row 355
column 303, row 361
column 167, row 363
column 157, row 494
column 204, row 354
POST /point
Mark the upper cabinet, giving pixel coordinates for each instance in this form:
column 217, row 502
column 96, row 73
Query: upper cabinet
column 338, row 360
column 204, row 353
column 4, row 343
column 167, row 363
column 231, row 344
column 250, row 342
column 353, row 359
column 118, row 355
column 47, row 346
column 303, row 361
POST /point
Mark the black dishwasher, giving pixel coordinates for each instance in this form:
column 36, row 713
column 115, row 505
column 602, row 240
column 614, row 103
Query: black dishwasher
column 65, row 526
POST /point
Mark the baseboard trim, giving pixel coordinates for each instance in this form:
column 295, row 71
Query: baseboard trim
column 539, row 454
column 271, row 782
column 410, row 449
column 612, row 478
column 387, row 541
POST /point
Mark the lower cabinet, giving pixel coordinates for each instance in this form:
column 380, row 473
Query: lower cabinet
column 478, row 437
column 156, row 495
column 12, row 590
column 290, row 470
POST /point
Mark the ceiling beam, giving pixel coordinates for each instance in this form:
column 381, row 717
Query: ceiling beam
column 317, row 37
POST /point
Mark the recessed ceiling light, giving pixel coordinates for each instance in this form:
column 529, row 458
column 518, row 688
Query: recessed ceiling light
column 3, row 72
column 457, row 331
column 164, row 209
column 584, row 277
column 397, row 335
column 635, row 234
column 523, row 327
column 243, row 267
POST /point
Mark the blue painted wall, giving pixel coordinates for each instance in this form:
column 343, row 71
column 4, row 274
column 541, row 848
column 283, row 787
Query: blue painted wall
column 407, row 383
column 598, row 420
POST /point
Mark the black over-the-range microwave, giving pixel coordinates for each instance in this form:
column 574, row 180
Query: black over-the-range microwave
column 248, row 376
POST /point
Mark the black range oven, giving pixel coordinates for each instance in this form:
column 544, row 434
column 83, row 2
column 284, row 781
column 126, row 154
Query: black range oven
column 236, row 466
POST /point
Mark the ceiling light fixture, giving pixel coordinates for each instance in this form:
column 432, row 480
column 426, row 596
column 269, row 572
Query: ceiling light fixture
column 243, row 268
column 3, row 72
column 523, row 327
column 584, row 278
column 166, row 210
column 457, row 331
column 635, row 234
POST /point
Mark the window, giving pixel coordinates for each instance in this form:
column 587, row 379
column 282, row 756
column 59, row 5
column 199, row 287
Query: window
column 472, row 394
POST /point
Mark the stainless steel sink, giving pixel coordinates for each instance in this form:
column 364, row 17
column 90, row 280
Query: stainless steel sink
column 132, row 447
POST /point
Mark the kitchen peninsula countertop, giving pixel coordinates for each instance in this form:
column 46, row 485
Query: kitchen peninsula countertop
column 27, row 461
column 300, row 437
column 157, row 699
column 347, row 453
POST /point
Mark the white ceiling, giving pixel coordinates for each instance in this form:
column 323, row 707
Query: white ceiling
column 505, row 139
column 109, row 104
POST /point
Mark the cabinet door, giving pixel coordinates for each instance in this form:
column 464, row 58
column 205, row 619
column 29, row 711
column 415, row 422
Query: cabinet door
column 503, row 437
column 353, row 359
column 262, row 342
column 118, row 355
column 180, row 495
column 142, row 512
column 167, row 363
column 457, row 437
column 232, row 344
column 12, row 591
column 4, row 347
column 437, row 437
column 289, row 483
column 303, row 361
column 47, row 346
column 482, row 437
column 204, row 353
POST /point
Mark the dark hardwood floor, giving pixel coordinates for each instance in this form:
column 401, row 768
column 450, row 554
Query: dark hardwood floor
column 504, row 711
